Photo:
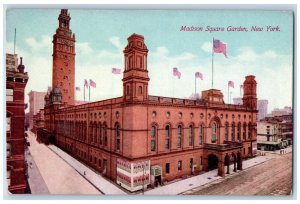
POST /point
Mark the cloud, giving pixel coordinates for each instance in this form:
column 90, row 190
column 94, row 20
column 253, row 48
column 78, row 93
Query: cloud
column 116, row 42
column 207, row 47
column 83, row 48
column 36, row 45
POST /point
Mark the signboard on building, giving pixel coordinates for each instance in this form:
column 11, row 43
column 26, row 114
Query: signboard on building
column 133, row 176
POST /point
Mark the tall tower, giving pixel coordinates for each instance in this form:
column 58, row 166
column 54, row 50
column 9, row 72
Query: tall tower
column 249, row 98
column 63, row 76
column 135, row 78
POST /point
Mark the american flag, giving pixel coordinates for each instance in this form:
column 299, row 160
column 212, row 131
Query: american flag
column 116, row 71
column 230, row 84
column 176, row 72
column 219, row 47
column 199, row 75
column 86, row 84
column 77, row 88
column 92, row 83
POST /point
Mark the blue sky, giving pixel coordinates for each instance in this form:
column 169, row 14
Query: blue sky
column 102, row 35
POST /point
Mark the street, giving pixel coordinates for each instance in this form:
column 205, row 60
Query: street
column 273, row 177
column 52, row 174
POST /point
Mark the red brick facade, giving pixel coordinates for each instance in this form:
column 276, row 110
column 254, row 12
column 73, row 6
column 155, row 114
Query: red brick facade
column 178, row 135
column 63, row 75
column 16, row 81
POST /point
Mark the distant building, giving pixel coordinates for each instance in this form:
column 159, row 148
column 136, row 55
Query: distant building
column 238, row 101
column 262, row 107
column 16, row 80
column 275, row 132
column 285, row 111
column 268, row 136
column 36, row 102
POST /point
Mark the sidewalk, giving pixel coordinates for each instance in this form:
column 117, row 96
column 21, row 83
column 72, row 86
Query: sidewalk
column 58, row 175
column 36, row 182
column 205, row 178
column 97, row 180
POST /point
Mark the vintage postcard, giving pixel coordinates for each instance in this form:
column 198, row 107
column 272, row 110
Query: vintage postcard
column 149, row 102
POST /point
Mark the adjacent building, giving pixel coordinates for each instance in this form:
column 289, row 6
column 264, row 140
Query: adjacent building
column 138, row 139
column 36, row 102
column 262, row 107
column 16, row 80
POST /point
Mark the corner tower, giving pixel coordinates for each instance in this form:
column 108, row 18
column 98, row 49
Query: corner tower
column 249, row 98
column 63, row 75
column 135, row 77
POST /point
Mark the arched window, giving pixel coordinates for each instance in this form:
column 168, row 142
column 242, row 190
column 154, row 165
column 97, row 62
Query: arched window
column 95, row 133
column 118, row 137
column 239, row 132
column 167, row 138
column 214, row 132
column 201, row 131
column 249, row 131
column 153, row 138
column 140, row 90
column 244, row 131
column 179, row 140
column 101, row 133
column 226, row 131
column 105, row 134
column 191, row 135
column 91, row 133
column 233, row 131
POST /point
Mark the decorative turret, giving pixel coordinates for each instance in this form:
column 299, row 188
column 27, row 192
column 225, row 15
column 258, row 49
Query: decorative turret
column 21, row 67
column 249, row 98
column 135, row 78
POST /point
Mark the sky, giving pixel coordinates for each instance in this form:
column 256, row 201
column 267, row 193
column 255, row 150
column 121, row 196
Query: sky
column 101, row 36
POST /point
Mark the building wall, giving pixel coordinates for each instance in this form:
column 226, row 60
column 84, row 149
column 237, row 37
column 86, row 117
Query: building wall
column 15, row 123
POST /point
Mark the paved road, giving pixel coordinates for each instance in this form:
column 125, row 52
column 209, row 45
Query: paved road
column 59, row 177
column 273, row 177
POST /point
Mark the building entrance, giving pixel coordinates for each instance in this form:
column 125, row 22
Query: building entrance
column 212, row 162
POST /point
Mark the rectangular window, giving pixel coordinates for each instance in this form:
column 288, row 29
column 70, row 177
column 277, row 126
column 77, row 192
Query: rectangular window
column 249, row 150
column 179, row 165
column 9, row 95
column 167, row 168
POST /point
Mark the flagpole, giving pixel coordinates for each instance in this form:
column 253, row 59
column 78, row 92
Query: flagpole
column 89, row 93
column 84, row 92
column 15, row 39
column 195, row 87
column 228, row 93
column 212, row 66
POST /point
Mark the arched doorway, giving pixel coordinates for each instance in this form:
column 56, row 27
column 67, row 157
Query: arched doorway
column 227, row 161
column 212, row 162
column 234, row 161
column 239, row 161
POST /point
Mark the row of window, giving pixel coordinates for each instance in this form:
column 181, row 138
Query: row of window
column 180, row 114
column 92, row 115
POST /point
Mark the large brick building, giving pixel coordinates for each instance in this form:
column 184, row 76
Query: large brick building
column 138, row 139
column 16, row 80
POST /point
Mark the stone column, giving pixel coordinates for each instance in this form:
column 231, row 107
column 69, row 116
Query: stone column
column 221, row 171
